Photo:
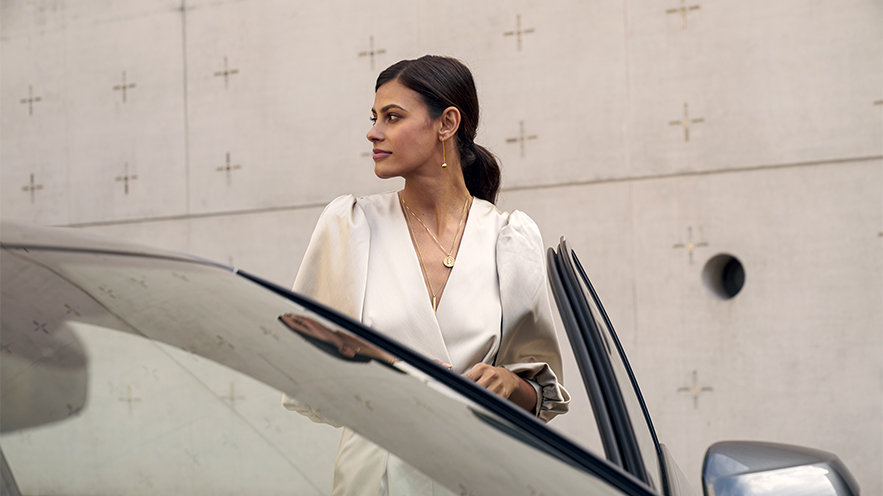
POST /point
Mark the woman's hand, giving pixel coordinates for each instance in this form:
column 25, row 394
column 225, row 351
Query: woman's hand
column 504, row 383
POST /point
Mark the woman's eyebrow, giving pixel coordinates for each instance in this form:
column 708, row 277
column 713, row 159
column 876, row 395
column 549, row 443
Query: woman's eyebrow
column 389, row 107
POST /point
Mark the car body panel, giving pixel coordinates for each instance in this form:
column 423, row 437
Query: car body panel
column 737, row 468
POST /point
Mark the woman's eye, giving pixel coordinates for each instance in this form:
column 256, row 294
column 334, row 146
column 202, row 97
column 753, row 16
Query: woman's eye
column 373, row 119
column 392, row 117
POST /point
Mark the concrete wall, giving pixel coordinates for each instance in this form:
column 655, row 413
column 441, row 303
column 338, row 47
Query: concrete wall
column 656, row 135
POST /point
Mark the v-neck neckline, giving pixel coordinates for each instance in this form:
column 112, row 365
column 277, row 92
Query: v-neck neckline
column 415, row 256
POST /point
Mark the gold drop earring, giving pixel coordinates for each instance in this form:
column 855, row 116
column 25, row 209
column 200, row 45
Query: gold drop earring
column 445, row 155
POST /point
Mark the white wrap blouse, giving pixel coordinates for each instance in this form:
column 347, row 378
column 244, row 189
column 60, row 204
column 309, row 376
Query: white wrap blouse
column 495, row 309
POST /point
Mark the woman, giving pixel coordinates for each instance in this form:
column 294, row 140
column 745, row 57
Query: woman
column 436, row 266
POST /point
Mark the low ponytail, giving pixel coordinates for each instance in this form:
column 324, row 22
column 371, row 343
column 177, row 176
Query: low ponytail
column 481, row 172
column 445, row 82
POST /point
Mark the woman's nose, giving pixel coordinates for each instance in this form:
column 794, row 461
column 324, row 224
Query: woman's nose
column 374, row 135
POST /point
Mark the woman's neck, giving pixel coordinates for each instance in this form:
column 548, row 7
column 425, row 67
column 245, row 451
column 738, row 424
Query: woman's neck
column 437, row 200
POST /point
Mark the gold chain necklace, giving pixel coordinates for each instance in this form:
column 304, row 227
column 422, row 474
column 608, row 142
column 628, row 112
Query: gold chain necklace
column 449, row 260
column 423, row 268
column 420, row 255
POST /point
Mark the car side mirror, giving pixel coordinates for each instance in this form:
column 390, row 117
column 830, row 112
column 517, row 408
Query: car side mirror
column 747, row 468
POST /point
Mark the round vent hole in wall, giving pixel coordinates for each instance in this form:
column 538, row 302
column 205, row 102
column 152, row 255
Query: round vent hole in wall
column 724, row 276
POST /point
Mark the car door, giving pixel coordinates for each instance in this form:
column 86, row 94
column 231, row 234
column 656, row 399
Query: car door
column 624, row 425
column 124, row 372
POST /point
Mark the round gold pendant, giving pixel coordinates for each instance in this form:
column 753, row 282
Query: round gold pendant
column 448, row 261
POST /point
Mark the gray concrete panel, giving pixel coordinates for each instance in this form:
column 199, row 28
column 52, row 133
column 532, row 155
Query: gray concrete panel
column 771, row 83
column 126, row 125
column 551, row 119
column 292, row 119
column 34, row 151
column 794, row 357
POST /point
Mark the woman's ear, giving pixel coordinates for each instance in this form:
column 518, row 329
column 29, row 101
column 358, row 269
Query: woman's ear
column 450, row 123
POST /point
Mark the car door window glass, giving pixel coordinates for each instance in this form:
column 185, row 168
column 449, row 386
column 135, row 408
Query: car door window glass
column 643, row 432
column 180, row 366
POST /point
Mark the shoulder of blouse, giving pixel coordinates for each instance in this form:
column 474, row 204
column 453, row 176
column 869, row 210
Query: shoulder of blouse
column 340, row 206
column 380, row 204
column 345, row 210
column 515, row 220
column 520, row 233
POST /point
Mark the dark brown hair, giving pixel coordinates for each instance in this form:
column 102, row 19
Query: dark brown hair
column 444, row 82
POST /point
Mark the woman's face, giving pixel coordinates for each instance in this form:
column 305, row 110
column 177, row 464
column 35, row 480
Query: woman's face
column 404, row 136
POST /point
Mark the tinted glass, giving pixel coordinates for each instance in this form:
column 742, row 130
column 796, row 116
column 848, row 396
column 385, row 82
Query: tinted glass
column 148, row 374
column 131, row 386
column 631, row 396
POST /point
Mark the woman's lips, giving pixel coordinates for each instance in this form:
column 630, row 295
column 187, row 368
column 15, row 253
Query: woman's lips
column 379, row 154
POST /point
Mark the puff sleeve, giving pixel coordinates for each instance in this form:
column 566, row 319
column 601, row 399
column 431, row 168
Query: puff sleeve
column 334, row 270
column 529, row 345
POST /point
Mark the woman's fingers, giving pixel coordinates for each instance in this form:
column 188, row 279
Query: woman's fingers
column 498, row 380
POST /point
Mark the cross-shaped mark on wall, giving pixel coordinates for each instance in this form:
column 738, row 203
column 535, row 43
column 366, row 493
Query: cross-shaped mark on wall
column 518, row 32
column 690, row 245
column 686, row 121
column 371, row 52
column 521, row 138
column 32, row 188
column 682, row 10
column 226, row 73
column 228, row 168
column 695, row 389
column 125, row 178
column 124, row 87
column 31, row 100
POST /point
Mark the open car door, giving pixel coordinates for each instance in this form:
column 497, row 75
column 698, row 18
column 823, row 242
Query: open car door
column 624, row 424
column 732, row 468
column 124, row 371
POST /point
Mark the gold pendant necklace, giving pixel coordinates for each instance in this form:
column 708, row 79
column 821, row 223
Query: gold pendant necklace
column 423, row 268
column 432, row 293
column 449, row 260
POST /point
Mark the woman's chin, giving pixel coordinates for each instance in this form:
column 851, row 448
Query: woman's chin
column 383, row 172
